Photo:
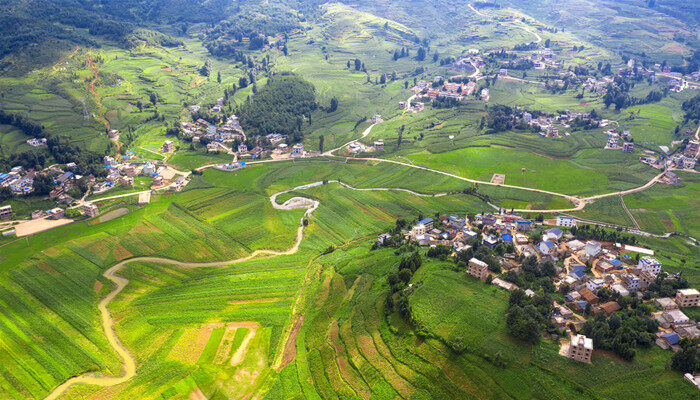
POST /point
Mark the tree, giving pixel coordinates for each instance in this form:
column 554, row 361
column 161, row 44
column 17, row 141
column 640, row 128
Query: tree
column 205, row 70
column 546, row 43
column 400, row 138
column 242, row 82
column 420, row 56
column 43, row 184
column 687, row 359
column 358, row 64
column 154, row 98
column 320, row 144
column 139, row 105
column 218, row 77
column 334, row 105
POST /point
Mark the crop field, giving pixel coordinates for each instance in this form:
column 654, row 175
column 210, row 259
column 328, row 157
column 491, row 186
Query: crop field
column 540, row 172
column 668, row 208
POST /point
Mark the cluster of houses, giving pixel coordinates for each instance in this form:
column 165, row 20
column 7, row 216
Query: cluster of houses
column 413, row 106
column 445, row 89
column 552, row 125
column 231, row 130
column 619, row 141
column 36, row 142
column 19, row 180
column 597, row 85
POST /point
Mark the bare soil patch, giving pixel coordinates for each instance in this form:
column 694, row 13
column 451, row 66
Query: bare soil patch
column 290, row 348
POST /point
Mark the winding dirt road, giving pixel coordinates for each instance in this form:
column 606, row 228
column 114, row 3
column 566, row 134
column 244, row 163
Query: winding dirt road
column 129, row 363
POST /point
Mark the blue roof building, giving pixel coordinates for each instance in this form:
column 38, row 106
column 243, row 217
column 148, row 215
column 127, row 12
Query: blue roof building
column 524, row 225
column 577, row 274
column 671, row 338
column 507, row 237
column 426, row 221
column 616, row 263
column 578, row 267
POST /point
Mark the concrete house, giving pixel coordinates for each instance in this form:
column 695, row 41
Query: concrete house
column 6, row 212
column 593, row 248
column 565, row 221
column 168, row 146
column 478, row 269
column 650, row 264
column 581, row 348
column 90, row 210
column 688, row 297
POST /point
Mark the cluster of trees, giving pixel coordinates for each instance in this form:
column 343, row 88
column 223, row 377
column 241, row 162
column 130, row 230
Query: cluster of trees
column 688, row 358
column 279, row 107
column 528, row 317
column 585, row 232
column 26, row 125
column 397, row 298
column 584, row 123
column 533, row 275
column 249, row 27
column 59, row 147
column 479, row 251
column 664, row 286
column 405, row 52
column 691, row 107
column 502, row 118
column 622, row 331
column 525, row 46
column 521, row 64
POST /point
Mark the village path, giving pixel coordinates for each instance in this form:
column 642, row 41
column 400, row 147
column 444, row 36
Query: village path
column 116, row 196
column 530, row 31
column 476, row 11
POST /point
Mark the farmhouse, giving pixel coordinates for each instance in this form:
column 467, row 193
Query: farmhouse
column 581, row 348
column 90, row 210
column 6, row 212
column 565, row 221
column 478, row 269
column 650, row 264
column 688, row 297
column 666, row 303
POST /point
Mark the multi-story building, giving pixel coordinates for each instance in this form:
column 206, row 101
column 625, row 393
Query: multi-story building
column 6, row 212
column 566, row 221
column 90, row 210
column 650, row 264
column 631, row 282
column 593, row 248
column 168, row 146
column 688, row 297
column 581, row 348
column 478, row 269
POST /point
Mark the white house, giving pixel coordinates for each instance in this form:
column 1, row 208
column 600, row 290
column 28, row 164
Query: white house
column 593, row 248
column 548, row 247
column 595, row 284
column 566, row 221
column 650, row 264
